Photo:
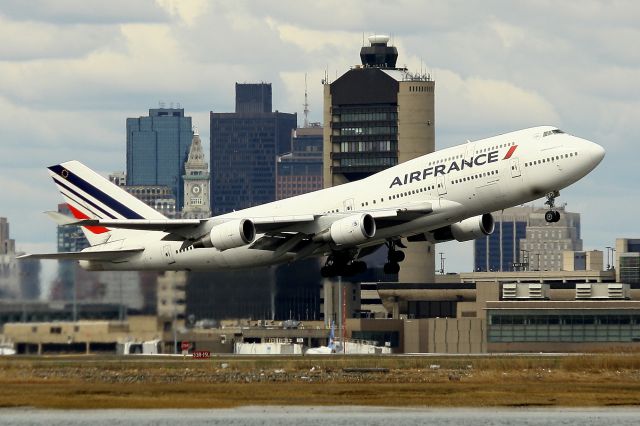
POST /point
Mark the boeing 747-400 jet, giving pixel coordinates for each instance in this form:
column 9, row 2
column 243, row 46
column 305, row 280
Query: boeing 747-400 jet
column 442, row 196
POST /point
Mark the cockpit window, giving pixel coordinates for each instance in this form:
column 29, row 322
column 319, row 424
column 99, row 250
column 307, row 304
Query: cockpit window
column 551, row 132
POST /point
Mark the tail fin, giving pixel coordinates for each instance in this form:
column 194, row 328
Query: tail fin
column 91, row 196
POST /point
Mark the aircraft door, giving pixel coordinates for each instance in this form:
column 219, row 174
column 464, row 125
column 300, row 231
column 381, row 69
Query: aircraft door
column 348, row 205
column 440, row 185
column 515, row 167
column 470, row 151
column 167, row 254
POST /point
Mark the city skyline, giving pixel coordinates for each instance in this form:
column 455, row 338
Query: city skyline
column 75, row 71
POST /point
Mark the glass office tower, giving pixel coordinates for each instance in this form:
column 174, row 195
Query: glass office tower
column 157, row 148
column 244, row 146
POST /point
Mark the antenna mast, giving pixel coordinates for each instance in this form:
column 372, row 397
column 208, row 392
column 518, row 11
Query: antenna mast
column 306, row 103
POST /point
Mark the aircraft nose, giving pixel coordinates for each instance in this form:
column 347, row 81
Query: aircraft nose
column 595, row 152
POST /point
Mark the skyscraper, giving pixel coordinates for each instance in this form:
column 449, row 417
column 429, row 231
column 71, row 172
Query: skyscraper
column 157, row 148
column 376, row 116
column 244, row 145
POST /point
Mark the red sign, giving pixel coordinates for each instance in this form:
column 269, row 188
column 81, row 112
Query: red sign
column 201, row 354
column 185, row 346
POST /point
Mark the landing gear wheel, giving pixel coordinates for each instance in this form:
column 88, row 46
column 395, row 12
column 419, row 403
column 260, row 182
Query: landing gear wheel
column 391, row 268
column 354, row 268
column 550, row 216
column 328, row 272
column 396, row 256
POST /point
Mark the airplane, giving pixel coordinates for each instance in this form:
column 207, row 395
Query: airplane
column 442, row 196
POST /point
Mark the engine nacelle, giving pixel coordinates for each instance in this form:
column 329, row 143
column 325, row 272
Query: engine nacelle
column 468, row 229
column 350, row 230
column 231, row 234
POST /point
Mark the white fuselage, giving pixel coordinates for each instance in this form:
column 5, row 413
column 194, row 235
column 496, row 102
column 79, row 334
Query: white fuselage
column 460, row 182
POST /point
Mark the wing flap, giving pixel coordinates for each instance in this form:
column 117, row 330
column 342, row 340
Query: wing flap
column 273, row 223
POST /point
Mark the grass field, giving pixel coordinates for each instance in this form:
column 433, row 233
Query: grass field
column 500, row 381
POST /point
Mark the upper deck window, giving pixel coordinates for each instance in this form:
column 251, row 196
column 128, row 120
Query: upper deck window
column 551, row 132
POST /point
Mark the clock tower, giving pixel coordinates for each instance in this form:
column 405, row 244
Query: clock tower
column 196, row 182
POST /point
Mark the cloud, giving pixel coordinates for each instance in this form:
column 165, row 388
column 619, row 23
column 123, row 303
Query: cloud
column 477, row 104
column 187, row 10
column 37, row 40
column 69, row 12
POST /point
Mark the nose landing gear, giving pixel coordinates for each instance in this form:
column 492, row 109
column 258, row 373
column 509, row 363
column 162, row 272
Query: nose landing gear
column 552, row 215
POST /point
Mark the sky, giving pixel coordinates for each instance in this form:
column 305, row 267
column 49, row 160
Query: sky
column 72, row 71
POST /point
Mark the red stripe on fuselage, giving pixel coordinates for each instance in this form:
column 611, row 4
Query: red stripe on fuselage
column 510, row 152
column 79, row 215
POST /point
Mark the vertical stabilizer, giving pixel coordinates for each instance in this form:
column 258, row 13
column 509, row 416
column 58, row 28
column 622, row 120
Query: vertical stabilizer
column 91, row 196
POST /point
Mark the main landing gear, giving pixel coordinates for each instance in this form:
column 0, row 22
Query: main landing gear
column 552, row 215
column 394, row 257
column 342, row 264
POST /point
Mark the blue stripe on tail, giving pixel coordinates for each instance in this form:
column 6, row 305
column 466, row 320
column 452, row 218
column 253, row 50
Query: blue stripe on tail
column 76, row 180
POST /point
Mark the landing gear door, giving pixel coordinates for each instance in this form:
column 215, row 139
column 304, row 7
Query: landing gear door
column 348, row 205
column 168, row 255
column 440, row 185
column 514, row 165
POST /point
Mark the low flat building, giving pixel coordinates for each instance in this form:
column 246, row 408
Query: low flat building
column 563, row 326
column 462, row 313
column 79, row 337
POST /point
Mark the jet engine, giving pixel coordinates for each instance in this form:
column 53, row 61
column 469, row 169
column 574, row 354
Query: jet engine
column 350, row 230
column 231, row 234
column 468, row 229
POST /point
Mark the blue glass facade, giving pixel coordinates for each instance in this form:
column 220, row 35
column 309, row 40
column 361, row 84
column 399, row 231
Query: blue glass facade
column 244, row 146
column 587, row 325
column 503, row 244
column 157, row 148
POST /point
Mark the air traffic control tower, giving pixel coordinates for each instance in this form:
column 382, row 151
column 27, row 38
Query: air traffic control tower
column 377, row 115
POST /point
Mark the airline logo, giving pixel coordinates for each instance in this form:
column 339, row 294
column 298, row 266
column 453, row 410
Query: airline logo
column 454, row 166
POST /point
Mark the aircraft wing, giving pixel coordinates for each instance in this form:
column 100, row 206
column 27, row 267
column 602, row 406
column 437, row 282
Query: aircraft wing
column 191, row 228
column 84, row 255
column 279, row 233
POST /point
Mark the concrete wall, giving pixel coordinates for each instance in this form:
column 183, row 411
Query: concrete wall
column 416, row 334
column 456, row 335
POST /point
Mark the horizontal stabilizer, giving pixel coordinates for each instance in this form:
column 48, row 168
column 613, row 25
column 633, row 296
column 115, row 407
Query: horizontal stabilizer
column 61, row 219
column 85, row 255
